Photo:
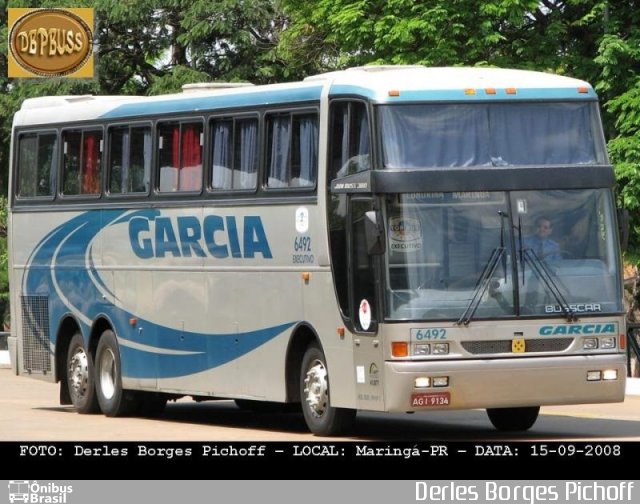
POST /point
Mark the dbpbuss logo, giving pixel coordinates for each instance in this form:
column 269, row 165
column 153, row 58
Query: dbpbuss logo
column 38, row 493
column 50, row 42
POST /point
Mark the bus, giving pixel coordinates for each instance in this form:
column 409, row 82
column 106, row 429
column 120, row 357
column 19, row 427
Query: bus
column 360, row 240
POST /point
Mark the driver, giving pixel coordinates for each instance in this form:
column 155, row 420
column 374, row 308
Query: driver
column 540, row 243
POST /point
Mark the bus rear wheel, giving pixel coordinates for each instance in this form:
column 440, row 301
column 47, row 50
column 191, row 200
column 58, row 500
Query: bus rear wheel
column 113, row 400
column 81, row 377
column 321, row 418
column 513, row 419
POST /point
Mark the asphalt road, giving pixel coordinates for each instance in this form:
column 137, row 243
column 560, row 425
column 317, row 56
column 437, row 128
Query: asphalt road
column 29, row 411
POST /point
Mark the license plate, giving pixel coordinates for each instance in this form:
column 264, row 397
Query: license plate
column 426, row 400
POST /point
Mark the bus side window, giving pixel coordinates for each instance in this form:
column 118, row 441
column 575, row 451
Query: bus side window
column 349, row 144
column 37, row 162
column 82, row 162
column 129, row 159
column 292, row 157
column 235, row 154
column 180, row 156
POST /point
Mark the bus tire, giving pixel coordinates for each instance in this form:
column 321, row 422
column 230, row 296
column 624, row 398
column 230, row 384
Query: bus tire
column 81, row 377
column 513, row 419
column 321, row 418
column 113, row 400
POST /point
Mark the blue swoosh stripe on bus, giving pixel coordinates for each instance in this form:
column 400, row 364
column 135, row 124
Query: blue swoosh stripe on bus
column 215, row 350
column 59, row 260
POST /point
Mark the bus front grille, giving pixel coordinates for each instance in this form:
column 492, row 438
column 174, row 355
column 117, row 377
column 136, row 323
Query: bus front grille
column 504, row 346
column 35, row 330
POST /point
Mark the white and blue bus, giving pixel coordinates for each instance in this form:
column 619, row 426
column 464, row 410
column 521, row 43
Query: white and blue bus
column 383, row 238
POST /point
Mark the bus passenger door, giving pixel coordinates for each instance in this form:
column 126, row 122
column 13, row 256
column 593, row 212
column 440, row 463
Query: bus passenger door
column 365, row 308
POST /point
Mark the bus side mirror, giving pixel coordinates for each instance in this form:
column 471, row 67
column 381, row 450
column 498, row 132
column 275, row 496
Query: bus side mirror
column 374, row 232
column 623, row 227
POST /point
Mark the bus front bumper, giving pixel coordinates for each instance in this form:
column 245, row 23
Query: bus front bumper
column 502, row 383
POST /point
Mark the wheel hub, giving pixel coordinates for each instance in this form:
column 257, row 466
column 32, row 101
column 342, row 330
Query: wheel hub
column 316, row 388
column 78, row 373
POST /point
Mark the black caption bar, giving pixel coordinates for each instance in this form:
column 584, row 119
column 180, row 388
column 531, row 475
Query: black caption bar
column 339, row 460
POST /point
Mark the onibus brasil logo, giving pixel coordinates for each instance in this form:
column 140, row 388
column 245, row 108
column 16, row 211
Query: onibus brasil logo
column 40, row 493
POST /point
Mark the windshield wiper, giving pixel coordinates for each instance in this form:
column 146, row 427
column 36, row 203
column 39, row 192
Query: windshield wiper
column 481, row 287
column 542, row 271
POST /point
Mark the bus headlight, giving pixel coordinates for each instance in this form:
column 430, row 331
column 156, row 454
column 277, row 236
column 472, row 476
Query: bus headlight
column 422, row 349
column 594, row 375
column 441, row 381
column 440, row 348
column 590, row 343
column 422, row 382
column 608, row 342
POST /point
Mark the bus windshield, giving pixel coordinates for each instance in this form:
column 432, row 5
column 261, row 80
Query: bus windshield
column 463, row 256
column 491, row 134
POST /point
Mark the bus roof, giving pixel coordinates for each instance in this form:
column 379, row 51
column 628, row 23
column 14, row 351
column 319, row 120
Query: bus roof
column 381, row 84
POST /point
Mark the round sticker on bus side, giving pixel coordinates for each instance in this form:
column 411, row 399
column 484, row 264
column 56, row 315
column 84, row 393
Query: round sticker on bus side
column 364, row 314
column 302, row 220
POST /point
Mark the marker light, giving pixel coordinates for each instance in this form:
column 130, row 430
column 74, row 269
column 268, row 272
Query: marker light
column 422, row 382
column 511, row 90
column 469, row 92
column 490, row 91
column 394, row 92
column 610, row 374
column 623, row 341
column 583, row 90
column 441, row 381
column 590, row 343
column 594, row 375
column 399, row 349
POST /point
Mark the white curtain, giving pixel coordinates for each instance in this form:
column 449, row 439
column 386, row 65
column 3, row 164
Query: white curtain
column 222, row 155
column 248, row 151
column 280, row 146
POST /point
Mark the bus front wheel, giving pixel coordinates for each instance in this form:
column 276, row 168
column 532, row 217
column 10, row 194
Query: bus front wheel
column 321, row 418
column 80, row 377
column 113, row 400
column 513, row 419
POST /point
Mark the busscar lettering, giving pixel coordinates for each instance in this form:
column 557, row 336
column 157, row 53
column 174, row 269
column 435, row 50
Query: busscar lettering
column 215, row 236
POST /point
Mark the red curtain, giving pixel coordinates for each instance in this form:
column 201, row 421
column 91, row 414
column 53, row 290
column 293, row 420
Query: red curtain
column 91, row 165
column 191, row 150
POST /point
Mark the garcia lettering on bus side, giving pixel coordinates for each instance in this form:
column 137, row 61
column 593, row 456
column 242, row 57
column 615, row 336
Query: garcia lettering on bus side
column 187, row 236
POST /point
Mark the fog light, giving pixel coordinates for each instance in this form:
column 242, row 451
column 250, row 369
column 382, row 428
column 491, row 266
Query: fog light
column 422, row 349
column 594, row 375
column 610, row 374
column 440, row 348
column 608, row 342
column 590, row 343
column 441, row 381
column 422, row 382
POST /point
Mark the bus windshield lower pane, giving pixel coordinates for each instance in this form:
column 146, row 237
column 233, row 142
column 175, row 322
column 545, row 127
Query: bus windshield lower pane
column 478, row 255
column 491, row 134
